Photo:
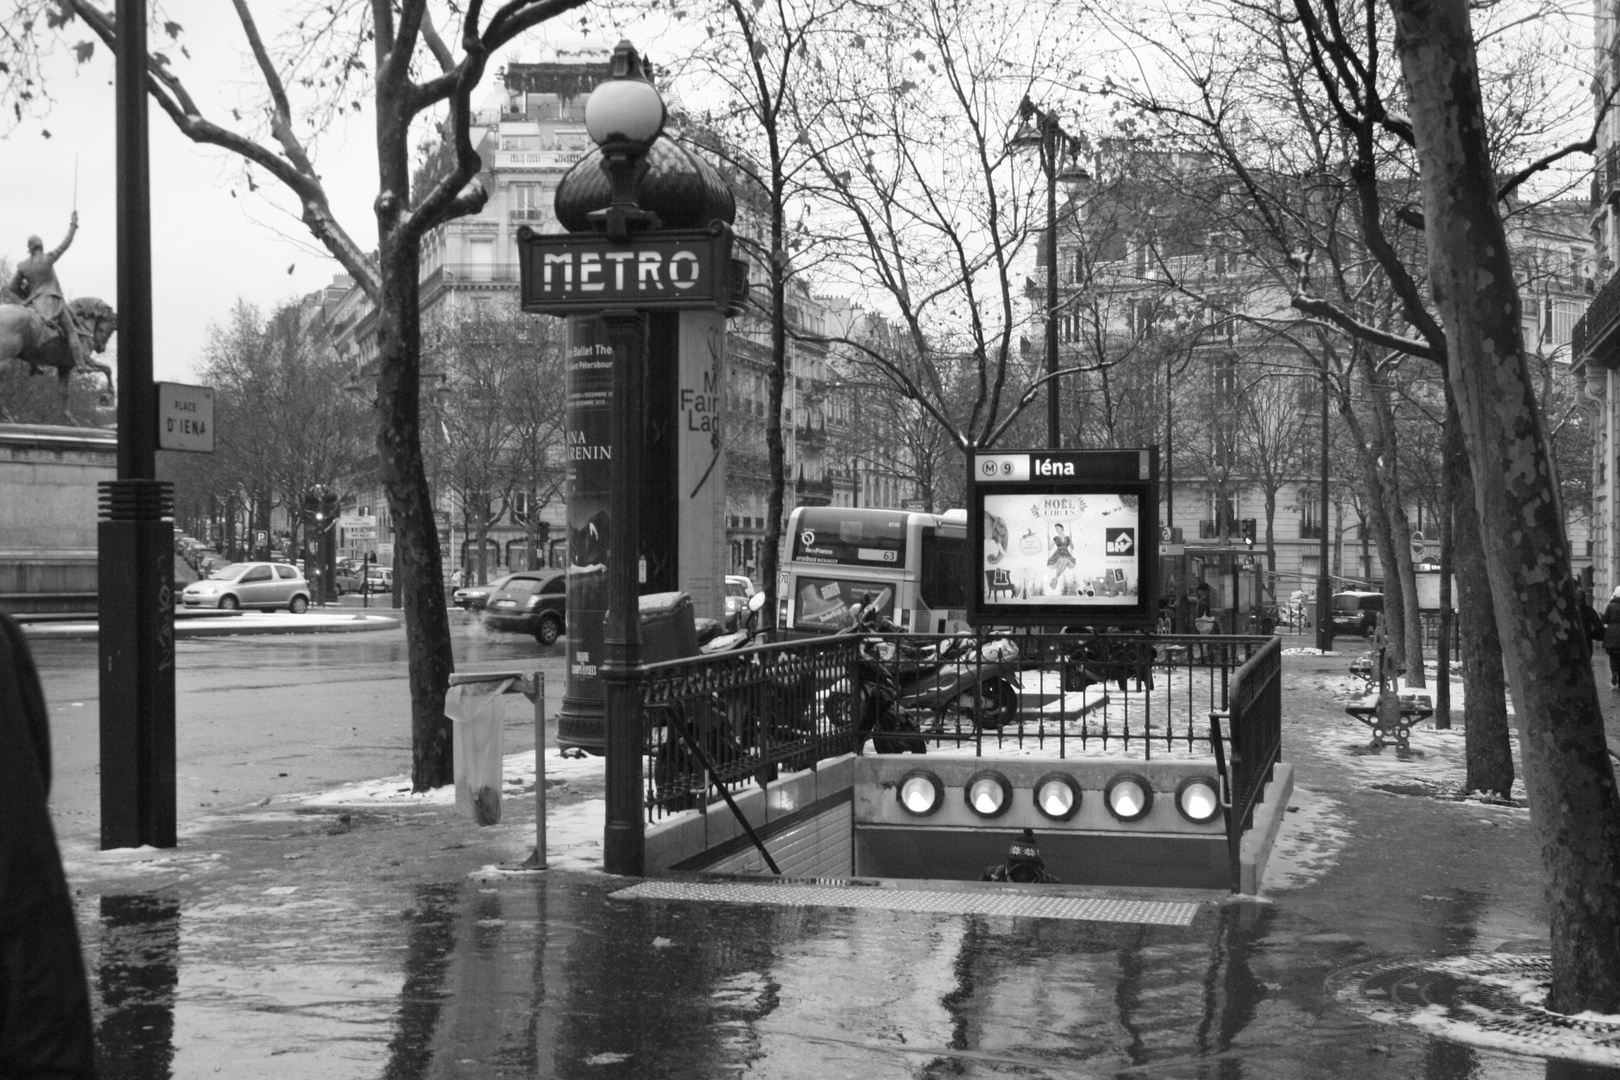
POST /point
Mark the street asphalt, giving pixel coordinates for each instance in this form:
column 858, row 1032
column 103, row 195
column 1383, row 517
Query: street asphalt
column 370, row 932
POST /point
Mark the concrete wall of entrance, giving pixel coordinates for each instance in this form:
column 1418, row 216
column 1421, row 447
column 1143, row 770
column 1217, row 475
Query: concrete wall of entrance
column 844, row 820
column 48, row 515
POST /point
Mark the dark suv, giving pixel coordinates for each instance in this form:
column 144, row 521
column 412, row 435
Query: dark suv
column 530, row 602
column 1356, row 613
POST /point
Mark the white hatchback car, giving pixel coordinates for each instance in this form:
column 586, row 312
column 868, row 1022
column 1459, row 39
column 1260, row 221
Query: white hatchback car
column 250, row 585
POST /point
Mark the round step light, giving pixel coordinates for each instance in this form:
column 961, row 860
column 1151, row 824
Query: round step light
column 988, row 794
column 920, row 792
column 1199, row 799
column 1057, row 795
column 1128, row 797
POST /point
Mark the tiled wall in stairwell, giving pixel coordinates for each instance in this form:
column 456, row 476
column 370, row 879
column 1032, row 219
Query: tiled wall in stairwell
column 820, row 847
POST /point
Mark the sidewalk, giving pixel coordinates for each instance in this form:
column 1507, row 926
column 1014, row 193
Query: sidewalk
column 368, row 932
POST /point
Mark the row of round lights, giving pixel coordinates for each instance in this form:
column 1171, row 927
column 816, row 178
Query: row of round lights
column 1127, row 796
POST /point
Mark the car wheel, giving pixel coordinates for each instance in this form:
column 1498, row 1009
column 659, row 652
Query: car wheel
column 337, row 587
column 228, row 602
column 300, row 604
column 550, row 630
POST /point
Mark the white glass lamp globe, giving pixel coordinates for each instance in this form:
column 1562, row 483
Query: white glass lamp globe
column 624, row 110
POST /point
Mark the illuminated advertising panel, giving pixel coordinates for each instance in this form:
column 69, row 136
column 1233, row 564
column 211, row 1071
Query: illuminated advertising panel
column 1065, row 537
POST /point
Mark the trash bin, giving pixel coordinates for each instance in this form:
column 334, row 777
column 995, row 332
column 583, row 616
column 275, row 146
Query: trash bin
column 477, row 714
column 668, row 627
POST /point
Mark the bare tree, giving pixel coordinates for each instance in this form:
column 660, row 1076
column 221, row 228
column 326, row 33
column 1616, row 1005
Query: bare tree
column 418, row 79
column 929, row 204
column 1568, row 775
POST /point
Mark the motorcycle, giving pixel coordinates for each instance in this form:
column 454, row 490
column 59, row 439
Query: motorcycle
column 959, row 679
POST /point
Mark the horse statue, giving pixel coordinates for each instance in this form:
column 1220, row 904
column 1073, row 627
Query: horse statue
column 24, row 337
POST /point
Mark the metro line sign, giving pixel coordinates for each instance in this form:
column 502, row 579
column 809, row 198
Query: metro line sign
column 658, row 270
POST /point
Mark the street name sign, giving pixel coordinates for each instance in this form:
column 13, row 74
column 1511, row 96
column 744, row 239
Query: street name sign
column 185, row 418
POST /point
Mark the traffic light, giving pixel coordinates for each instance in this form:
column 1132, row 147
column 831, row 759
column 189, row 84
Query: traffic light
column 329, row 506
column 1248, row 532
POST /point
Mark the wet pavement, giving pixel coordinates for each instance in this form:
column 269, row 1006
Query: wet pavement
column 392, row 939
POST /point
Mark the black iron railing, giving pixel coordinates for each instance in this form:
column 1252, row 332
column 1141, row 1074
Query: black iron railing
column 1598, row 319
column 741, row 718
column 1254, row 732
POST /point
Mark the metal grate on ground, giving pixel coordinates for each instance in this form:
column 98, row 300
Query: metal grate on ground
column 1022, row 905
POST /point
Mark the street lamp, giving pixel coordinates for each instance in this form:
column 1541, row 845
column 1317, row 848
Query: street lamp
column 1045, row 135
column 624, row 115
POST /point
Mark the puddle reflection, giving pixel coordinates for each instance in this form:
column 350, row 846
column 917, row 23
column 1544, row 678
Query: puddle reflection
column 546, row 976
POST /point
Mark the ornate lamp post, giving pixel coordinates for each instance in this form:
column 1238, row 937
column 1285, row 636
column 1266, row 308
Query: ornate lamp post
column 1048, row 135
column 638, row 260
column 623, row 116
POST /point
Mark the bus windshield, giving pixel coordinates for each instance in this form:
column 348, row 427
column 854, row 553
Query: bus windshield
column 824, row 603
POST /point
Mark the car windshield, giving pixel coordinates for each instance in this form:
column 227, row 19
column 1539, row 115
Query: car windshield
column 526, row 586
column 1347, row 603
column 736, row 588
column 225, row 572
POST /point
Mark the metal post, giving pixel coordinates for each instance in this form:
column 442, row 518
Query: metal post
column 1054, row 435
column 136, row 546
column 535, row 687
column 623, row 843
column 1324, row 602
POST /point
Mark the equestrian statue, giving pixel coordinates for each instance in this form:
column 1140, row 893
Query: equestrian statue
column 45, row 331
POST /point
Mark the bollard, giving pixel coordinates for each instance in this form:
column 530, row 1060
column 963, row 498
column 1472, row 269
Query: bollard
column 533, row 687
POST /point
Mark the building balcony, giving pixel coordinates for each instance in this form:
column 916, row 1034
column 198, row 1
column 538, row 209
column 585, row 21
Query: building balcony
column 451, row 274
column 1607, row 177
column 813, row 492
column 538, row 160
column 1596, row 336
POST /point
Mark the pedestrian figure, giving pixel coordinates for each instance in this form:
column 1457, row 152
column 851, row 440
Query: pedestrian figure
column 45, row 1026
column 1611, row 637
column 1593, row 623
column 457, row 577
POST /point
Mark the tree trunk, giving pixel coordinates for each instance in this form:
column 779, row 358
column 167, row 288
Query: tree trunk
column 1400, row 578
column 404, row 477
column 1568, row 776
column 1488, row 749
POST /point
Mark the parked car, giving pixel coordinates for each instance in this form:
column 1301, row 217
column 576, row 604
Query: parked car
column 250, row 585
column 380, row 579
column 738, row 590
column 476, row 597
column 530, row 602
column 1356, row 612
column 350, row 576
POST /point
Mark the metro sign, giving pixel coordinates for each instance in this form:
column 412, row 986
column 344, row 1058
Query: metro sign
column 579, row 273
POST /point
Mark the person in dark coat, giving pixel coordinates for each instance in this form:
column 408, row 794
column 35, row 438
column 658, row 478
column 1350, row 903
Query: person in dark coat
column 1593, row 623
column 1611, row 637
column 45, row 1025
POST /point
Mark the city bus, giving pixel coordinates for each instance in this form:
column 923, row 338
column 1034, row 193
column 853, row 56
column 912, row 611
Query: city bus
column 838, row 555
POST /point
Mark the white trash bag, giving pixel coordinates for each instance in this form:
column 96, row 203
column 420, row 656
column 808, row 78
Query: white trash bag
column 478, row 715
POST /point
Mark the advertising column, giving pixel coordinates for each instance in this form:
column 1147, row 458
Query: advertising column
column 702, row 463
column 588, row 427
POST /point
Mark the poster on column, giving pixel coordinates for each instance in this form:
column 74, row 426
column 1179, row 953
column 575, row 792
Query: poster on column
column 588, row 434
column 702, row 467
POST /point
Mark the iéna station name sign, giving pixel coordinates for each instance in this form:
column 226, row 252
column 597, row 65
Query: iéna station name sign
column 660, row 270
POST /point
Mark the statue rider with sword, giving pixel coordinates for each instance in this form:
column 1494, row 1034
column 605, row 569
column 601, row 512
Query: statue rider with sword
column 36, row 282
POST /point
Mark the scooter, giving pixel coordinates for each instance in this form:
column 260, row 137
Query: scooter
column 960, row 679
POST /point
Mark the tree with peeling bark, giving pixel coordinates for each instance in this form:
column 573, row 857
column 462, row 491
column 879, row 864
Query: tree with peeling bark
column 1303, row 91
column 419, row 79
column 1568, row 775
